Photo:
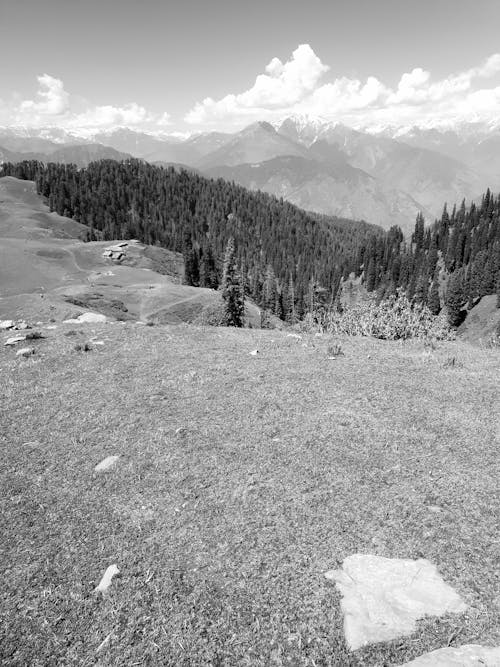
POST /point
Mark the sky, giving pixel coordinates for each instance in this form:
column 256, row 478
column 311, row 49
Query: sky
column 194, row 65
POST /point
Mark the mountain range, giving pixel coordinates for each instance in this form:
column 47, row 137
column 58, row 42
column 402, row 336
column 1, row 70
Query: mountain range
column 384, row 176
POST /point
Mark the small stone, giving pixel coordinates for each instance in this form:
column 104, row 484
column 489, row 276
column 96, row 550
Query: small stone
column 105, row 582
column 51, row 326
column 106, row 463
column 22, row 325
column 25, row 352
column 294, row 335
column 6, row 324
column 254, row 353
column 435, row 508
column 468, row 655
column 15, row 340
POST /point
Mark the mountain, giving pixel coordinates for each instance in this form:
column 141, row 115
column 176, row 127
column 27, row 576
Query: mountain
column 84, row 154
column 427, row 176
column 80, row 155
column 410, row 169
column 256, row 143
column 475, row 145
column 334, row 189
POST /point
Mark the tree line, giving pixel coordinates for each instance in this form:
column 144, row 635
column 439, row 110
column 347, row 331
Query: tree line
column 289, row 260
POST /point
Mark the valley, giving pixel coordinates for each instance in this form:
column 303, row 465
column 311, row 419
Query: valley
column 384, row 178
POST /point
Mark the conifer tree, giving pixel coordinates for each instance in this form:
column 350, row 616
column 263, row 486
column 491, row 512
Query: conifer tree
column 455, row 299
column 232, row 290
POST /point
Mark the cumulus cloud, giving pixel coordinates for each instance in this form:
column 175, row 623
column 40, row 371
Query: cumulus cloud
column 298, row 86
column 52, row 99
column 53, row 105
column 282, row 86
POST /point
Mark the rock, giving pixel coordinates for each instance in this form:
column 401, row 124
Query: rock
column 15, row 340
column 106, row 463
column 51, row 326
column 92, row 318
column 254, row 353
column 25, row 352
column 468, row 655
column 294, row 335
column 22, row 325
column 6, row 324
column 105, row 582
column 384, row 597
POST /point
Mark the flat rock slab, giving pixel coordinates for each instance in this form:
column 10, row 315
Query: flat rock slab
column 87, row 317
column 384, row 597
column 106, row 464
column 468, row 655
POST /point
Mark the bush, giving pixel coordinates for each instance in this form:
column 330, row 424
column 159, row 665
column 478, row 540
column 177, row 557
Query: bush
column 212, row 315
column 395, row 318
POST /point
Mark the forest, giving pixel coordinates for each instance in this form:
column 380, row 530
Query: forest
column 291, row 261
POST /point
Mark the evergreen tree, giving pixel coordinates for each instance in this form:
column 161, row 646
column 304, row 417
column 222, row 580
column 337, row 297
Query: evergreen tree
column 232, row 290
column 455, row 299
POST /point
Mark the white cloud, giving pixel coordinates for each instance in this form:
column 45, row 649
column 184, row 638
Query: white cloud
column 282, row 86
column 295, row 87
column 52, row 98
column 54, row 106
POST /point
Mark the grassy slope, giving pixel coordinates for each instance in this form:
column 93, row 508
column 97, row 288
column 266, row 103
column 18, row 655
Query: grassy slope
column 286, row 463
column 41, row 253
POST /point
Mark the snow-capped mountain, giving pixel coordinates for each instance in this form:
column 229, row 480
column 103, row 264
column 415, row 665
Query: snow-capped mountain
column 382, row 174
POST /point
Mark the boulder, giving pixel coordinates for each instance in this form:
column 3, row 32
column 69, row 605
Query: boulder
column 6, row 324
column 92, row 318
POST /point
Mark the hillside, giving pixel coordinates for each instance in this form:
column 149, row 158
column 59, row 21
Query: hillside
column 333, row 188
column 240, row 481
column 46, row 267
column 281, row 249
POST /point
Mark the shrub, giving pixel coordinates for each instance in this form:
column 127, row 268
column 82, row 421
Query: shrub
column 212, row 315
column 392, row 319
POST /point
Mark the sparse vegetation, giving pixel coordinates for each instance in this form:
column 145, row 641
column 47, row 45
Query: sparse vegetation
column 394, row 318
column 241, row 481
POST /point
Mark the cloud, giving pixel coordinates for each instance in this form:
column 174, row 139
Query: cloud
column 54, row 106
column 297, row 86
column 282, row 86
column 52, row 98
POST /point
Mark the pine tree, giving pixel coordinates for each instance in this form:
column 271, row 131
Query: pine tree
column 455, row 299
column 232, row 291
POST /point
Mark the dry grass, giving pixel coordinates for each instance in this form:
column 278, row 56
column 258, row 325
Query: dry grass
column 241, row 480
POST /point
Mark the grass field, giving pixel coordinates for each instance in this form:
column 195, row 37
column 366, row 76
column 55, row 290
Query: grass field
column 241, row 480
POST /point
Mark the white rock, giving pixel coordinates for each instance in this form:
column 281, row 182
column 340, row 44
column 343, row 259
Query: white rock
column 254, row 353
column 384, row 597
column 468, row 655
column 106, row 463
column 6, row 324
column 51, row 326
column 294, row 335
column 25, row 352
column 105, row 582
column 87, row 317
column 15, row 340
